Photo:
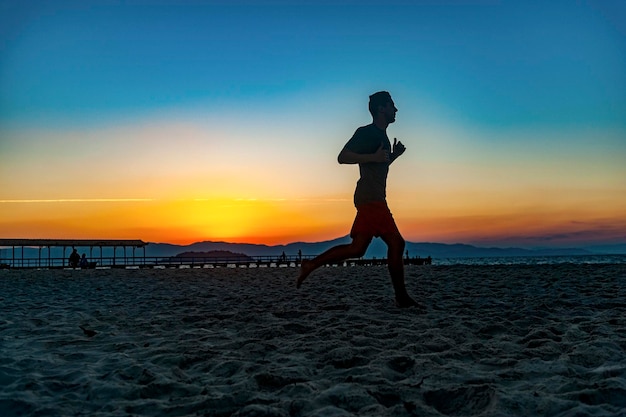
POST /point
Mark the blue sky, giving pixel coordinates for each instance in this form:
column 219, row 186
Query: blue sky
column 502, row 98
column 490, row 62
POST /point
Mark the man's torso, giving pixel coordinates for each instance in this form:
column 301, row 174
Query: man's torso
column 373, row 181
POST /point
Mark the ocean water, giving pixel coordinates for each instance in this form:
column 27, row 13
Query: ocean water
column 617, row 259
column 535, row 260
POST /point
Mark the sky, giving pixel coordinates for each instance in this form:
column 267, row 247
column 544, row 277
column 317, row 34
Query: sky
column 222, row 120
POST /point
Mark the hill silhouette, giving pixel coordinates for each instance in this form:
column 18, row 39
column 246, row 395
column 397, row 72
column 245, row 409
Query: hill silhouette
column 377, row 249
column 214, row 254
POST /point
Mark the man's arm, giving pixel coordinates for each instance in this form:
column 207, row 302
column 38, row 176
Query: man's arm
column 347, row 156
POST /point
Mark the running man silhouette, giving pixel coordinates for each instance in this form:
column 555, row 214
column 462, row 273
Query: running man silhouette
column 371, row 149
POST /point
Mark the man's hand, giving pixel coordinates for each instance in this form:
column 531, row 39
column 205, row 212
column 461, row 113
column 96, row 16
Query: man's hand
column 398, row 148
column 381, row 155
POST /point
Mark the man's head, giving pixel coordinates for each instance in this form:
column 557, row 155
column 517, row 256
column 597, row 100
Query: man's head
column 382, row 104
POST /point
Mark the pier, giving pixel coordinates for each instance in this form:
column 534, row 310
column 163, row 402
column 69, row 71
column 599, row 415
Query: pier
column 12, row 256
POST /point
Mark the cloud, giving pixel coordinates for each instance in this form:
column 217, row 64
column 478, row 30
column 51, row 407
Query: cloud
column 80, row 200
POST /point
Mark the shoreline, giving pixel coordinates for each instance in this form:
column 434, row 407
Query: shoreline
column 294, row 262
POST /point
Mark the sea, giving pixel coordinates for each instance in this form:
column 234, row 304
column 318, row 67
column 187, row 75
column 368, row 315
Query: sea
column 534, row 260
column 615, row 259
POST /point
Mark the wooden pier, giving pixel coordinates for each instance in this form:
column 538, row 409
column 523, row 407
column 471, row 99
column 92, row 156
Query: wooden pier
column 46, row 260
column 17, row 260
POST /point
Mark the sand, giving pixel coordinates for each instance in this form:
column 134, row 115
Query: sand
column 493, row 341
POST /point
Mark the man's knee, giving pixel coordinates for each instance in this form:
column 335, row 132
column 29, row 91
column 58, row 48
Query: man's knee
column 359, row 251
column 399, row 247
column 359, row 247
column 396, row 244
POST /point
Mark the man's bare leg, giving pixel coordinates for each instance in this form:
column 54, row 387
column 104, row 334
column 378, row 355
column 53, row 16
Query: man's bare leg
column 306, row 267
column 395, row 250
column 355, row 249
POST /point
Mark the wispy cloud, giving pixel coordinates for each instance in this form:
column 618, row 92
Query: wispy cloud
column 80, row 200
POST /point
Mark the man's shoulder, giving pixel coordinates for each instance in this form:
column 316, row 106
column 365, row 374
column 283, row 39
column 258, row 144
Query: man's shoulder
column 366, row 139
column 368, row 131
column 366, row 128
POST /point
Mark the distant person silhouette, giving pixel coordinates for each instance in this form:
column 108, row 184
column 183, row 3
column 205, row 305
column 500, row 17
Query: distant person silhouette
column 83, row 261
column 74, row 259
column 371, row 149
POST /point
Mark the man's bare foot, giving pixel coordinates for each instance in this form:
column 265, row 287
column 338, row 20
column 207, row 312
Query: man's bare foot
column 407, row 302
column 305, row 269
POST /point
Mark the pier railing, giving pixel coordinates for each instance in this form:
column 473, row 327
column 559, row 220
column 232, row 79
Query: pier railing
column 160, row 262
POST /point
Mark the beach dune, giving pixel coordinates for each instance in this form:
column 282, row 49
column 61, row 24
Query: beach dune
column 493, row 341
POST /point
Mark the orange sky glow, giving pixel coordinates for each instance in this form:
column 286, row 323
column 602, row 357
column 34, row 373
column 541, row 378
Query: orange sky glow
column 512, row 113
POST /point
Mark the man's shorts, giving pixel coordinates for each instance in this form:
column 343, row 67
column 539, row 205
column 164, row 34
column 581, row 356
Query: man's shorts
column 373, row 219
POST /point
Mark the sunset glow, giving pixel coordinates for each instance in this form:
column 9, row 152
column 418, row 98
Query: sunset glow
column 227, row 125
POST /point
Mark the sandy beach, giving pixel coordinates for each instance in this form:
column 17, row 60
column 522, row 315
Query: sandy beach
column 494, row 341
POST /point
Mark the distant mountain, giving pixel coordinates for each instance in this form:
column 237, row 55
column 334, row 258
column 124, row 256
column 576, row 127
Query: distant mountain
column 166, row 249
column 214, row 254
column 616, row 249
column 377, row 249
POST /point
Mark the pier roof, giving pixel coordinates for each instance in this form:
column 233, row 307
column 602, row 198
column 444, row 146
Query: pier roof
column 72, row 242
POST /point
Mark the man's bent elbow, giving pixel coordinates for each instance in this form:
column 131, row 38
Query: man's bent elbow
column 347, row 157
